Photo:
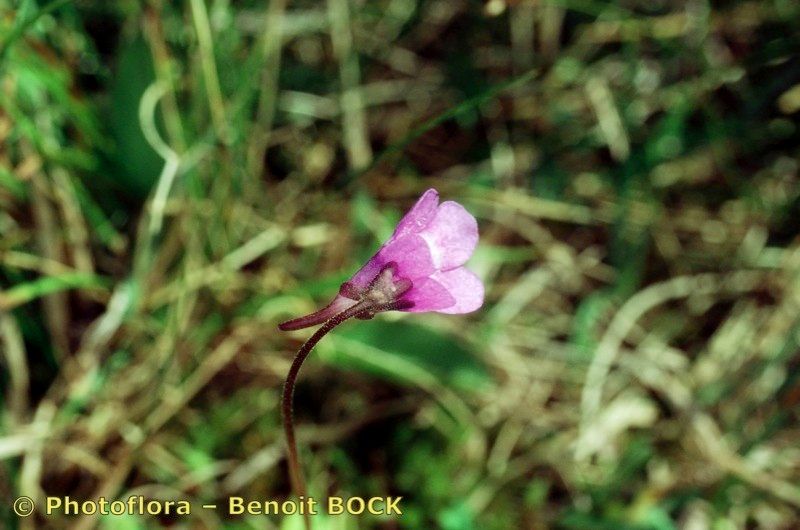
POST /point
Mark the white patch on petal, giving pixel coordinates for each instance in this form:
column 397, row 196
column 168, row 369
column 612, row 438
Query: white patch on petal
column 451, row 236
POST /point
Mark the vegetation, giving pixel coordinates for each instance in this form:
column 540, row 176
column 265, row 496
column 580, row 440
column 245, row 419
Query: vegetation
column 178, row 177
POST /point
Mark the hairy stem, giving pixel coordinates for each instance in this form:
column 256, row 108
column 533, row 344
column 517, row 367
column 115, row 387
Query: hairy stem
column 295, row 471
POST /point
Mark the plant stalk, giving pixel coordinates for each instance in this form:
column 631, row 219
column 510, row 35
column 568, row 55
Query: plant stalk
column 295, row 471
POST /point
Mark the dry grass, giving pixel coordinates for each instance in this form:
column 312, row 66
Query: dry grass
column 167, row 196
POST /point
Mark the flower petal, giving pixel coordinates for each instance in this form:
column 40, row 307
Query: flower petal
column 411, row 254
column 419, row 216
column 367, row 273
column 428, row 295
column 451, row 236
column 465, row 288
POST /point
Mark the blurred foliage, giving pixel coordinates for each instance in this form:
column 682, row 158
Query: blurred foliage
column 178, row 177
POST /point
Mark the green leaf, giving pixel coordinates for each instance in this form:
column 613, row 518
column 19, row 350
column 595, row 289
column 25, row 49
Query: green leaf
column 435, row 352
column 135, row 162
column 458, row 517
column 24, row 293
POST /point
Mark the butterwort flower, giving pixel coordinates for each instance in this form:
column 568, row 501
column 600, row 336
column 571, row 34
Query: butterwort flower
column 419, row 269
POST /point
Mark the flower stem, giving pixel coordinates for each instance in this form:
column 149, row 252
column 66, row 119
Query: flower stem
column 295, row 471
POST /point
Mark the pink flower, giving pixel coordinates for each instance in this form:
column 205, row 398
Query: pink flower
column 419, row 269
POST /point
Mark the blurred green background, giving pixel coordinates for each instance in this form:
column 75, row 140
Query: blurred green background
column 178, row 177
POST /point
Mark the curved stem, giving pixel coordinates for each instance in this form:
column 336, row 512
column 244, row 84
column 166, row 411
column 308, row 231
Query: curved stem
column 295, row 471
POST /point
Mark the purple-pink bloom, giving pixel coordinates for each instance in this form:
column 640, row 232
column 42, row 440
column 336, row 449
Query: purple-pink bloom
column 419, row 269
